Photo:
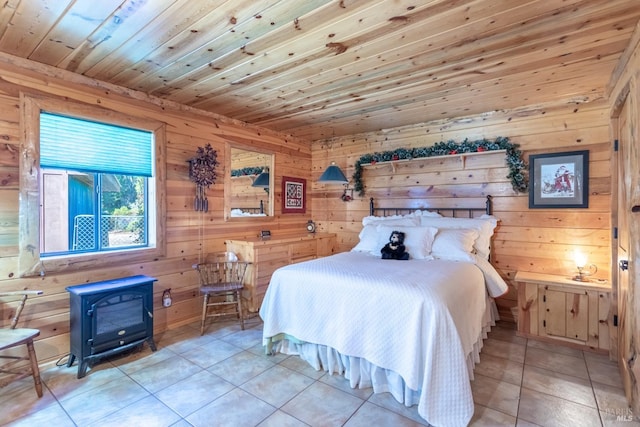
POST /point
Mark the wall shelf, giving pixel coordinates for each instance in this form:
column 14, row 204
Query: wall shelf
column 462, row 156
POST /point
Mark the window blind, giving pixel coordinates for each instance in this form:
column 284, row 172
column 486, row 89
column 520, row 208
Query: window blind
column 83, row 145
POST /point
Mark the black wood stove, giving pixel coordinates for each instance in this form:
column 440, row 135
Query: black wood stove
column 110, row 317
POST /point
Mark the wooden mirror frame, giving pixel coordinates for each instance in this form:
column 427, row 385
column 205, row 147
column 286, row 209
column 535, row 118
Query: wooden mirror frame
column 228, row 183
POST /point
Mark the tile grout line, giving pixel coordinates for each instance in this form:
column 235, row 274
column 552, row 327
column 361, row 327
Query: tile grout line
column 526, row 348
column 593, row 391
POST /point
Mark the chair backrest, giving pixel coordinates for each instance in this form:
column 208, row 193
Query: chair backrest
column 217, row 270
column 23, row 301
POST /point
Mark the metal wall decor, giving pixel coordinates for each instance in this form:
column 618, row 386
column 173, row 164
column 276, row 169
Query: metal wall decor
column 202, row 171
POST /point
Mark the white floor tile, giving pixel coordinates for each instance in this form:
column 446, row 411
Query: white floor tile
column 223, row 378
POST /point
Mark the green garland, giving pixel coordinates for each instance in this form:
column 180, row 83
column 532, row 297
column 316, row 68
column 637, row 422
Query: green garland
column 251, row 171
column 517, row 167
column 247, row 171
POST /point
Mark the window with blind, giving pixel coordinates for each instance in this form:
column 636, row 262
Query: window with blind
column 95, row 186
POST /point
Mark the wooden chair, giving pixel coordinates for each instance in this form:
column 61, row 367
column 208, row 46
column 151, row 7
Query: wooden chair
column 221, row 282
column 14, row 337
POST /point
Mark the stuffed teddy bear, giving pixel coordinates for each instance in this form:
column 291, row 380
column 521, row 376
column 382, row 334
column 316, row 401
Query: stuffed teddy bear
column 395, row 249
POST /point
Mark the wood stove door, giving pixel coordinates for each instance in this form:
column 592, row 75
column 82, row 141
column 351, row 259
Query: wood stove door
column 119, row 319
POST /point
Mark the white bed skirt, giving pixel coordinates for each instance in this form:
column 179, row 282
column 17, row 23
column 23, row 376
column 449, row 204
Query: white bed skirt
column 363, row 374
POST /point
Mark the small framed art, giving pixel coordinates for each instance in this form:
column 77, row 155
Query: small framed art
column 559, row 180
column 293, row 195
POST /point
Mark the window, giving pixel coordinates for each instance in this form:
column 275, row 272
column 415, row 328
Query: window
column 91, row 188
column 93, row 198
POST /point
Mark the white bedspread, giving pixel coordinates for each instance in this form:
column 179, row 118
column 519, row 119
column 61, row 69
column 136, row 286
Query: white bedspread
column 418, row 318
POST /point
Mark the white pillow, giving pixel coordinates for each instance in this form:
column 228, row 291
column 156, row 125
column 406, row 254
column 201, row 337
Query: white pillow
column 368, row 239
column 495, row 283
column 484, row 225
column 454, row 244
column 432, row 214
column 409, row 219
column 417, row 240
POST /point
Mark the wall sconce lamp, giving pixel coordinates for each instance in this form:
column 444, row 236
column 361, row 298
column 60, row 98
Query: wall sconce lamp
column 262, row 180
column 584, row 270
column 334, row 175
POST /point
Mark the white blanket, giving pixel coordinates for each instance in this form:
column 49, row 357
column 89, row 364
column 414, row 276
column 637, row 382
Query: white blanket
column 240, row 212
column 418, row 318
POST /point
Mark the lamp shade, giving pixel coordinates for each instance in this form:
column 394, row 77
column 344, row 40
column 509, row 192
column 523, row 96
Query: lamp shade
column 333, row 175
column 262, row 180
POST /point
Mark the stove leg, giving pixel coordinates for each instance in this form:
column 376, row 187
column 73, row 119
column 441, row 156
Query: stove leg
column 82, row 369
column 152, row 344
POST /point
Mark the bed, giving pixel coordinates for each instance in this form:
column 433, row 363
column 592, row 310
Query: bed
column 238, row 212
column 412, row 328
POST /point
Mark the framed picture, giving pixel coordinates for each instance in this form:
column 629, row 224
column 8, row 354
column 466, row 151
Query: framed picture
column 559, row 180
column 293, row 195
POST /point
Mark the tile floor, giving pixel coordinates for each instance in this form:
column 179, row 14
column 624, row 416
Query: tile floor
column 224, row 379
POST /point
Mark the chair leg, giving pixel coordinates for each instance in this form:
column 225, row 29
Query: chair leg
column 204, row 313
column 240, row 313
column 35, row 371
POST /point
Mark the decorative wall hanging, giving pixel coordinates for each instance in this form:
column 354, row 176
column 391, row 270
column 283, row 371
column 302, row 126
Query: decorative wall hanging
column 202, row 171
column 517, row 166
column 293, row 195
column 559, row 180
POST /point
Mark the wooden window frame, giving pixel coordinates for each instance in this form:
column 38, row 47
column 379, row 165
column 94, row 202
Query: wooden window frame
column 29, row 261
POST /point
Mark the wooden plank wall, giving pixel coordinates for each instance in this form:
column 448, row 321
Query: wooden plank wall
column 189, row 233
column 527, row 239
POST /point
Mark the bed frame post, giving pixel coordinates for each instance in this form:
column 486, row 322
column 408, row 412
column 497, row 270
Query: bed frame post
column 489, row 205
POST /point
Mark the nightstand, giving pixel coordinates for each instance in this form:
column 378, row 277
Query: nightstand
column 267, row 255
column 563, row 310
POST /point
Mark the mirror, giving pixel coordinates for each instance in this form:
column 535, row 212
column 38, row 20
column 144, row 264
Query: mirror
column 249, row 194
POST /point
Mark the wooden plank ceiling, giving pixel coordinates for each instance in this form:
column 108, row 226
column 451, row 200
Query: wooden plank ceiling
column 319, row 68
